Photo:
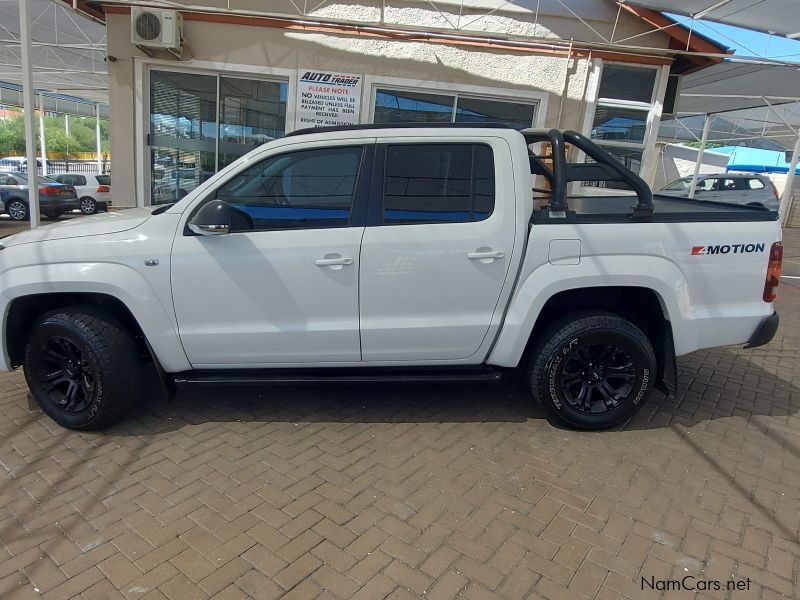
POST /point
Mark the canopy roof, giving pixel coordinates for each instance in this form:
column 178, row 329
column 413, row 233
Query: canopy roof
column 67, row 53
column 770, row 16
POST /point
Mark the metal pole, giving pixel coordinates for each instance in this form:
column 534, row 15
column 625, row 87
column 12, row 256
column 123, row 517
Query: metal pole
column 42, row 137
column 787, row 198
column 29, row 107
column 699, row 161
column 97, row 137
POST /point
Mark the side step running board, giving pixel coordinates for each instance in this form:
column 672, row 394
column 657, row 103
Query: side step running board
column 265, row 377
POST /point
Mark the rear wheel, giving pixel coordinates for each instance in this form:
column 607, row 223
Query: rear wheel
column 17, row 209
column 82, row 368
column 88, row 206
column 593, row 370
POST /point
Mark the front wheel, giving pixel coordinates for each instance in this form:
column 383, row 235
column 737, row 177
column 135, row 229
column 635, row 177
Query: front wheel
column 82, row 368
column 17, row 210
column 88, row 206
column 593, row 370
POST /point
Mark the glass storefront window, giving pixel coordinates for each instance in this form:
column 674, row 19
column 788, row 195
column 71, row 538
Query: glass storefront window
column 622, row 82
column 251, row 113
column 400, row 106
column 480, row 110
column 619, row 124
column 186, row 147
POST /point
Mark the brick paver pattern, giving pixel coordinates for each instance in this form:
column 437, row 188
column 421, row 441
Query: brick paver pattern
column 409, row 492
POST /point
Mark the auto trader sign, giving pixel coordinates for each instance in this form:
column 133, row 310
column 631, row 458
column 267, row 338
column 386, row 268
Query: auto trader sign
column 325, row 98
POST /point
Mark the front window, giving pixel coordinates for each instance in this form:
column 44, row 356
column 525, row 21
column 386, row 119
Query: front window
column 303, row 189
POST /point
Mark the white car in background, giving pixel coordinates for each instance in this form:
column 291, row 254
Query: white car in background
column 94, row 191
column 747, row 189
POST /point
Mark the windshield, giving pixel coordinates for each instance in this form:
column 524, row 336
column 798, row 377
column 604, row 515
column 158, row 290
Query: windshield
column 679, row 185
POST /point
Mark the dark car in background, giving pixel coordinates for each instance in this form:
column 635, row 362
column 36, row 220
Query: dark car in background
column 54, row 198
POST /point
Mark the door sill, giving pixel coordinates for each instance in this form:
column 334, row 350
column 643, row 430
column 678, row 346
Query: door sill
column 340, row 375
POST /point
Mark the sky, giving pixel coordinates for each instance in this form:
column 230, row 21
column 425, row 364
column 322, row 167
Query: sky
column 744, row 41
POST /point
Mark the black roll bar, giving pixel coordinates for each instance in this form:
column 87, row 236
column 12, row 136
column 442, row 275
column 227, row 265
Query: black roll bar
column 607, row 168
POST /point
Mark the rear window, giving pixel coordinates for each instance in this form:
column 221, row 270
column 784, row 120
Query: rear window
column 103, row 179
column 438, row 183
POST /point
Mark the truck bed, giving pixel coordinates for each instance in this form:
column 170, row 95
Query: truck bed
column 666, row 209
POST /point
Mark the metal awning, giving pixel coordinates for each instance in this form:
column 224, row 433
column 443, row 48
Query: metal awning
column 769, row 16
column 67, row 49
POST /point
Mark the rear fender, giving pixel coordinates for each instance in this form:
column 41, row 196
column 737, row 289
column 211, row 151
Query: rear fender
column 548, row 280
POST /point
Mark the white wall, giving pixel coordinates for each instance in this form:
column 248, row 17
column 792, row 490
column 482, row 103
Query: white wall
column 235, row 47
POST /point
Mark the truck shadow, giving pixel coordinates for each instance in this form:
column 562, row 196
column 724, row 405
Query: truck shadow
column 713, row 385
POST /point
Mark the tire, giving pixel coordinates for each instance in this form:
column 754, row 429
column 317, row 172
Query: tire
column 592, row 370
column 17, row 209
column 88, row 205
column 53, row 216
column 82, row 368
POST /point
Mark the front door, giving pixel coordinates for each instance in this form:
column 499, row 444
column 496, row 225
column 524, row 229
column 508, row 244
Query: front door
column 282, row 287
column 435, row 259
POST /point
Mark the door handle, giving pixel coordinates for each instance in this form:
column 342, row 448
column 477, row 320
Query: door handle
column 482, row 255
column 332, row 262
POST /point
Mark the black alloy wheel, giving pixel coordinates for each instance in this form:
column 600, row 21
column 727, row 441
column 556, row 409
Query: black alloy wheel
column 65, row 373
column 592, row 370
column 596, row 378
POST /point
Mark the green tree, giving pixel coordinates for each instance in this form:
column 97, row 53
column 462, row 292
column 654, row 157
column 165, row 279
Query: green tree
column 81, row 136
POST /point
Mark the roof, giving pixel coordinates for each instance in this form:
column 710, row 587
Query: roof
column 778, row 16
column 378, row 126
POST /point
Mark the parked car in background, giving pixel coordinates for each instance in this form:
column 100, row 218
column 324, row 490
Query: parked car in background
column 19, row 163
column 54, row 198
column 94, row 191
column 747, row 189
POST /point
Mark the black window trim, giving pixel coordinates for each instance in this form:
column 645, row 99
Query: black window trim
column 375, row 214
column 360, row 198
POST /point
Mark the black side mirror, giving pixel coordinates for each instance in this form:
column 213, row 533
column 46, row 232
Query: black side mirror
column 214, row 218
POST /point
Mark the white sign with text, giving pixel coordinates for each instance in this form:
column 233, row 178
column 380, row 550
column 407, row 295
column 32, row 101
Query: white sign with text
column 325, row 99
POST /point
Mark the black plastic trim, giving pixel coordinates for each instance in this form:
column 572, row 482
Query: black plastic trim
column 765, row 331
column 338, row 375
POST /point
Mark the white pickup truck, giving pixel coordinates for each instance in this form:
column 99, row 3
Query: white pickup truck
column 391, row 253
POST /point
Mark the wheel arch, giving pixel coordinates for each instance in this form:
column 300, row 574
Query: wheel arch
column 29, row 291
column 24, row 310
column 642, row 306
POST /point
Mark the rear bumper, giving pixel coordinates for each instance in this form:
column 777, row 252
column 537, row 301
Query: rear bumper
column 764, row 332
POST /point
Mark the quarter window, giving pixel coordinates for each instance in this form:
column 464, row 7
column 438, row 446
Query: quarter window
column 438, row 183
column 755, row 184
column 304, row 189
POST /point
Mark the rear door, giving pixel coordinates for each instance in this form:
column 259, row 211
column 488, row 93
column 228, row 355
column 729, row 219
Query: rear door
column 437, row 248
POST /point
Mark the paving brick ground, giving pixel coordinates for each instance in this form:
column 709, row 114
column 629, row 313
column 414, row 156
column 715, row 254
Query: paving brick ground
column 436, row 492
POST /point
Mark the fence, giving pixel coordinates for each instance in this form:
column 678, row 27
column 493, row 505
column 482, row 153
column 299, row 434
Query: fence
column 85, row 167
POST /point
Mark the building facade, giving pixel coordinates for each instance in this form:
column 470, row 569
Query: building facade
column 243, row 80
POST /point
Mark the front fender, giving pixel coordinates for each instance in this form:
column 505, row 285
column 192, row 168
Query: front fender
column 154, row 316
column 593, row 271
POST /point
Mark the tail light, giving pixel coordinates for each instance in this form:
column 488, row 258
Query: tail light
column 773, row 272
column 103, row 188
column 51, row 190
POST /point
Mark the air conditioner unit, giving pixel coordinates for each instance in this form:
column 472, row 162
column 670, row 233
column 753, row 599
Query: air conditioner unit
column 153, row 28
